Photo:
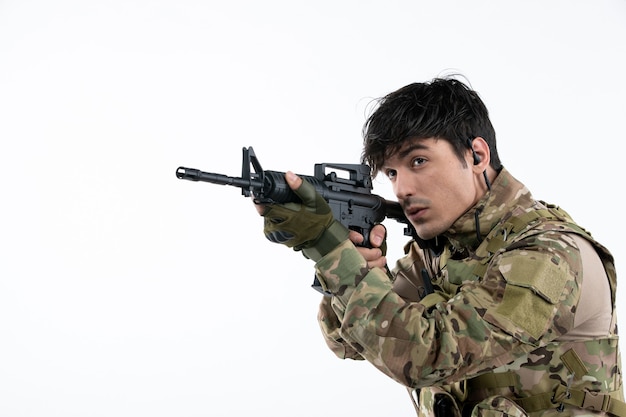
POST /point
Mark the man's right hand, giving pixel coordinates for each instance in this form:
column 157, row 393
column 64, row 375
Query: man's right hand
column 375, row 256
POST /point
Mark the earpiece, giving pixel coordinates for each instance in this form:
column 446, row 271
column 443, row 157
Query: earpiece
column 474, row 155
column 477, row 161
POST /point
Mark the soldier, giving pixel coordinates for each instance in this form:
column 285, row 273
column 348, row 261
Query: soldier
column 502, row 304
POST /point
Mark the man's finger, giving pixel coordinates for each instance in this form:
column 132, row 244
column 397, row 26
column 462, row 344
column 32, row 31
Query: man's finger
column 377, row 235
column 293, row 180
column 303, row 189
column 355, row 237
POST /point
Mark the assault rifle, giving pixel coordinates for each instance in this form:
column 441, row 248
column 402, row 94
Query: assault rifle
column 350, row 199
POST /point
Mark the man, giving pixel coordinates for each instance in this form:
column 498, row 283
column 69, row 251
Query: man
column 502, row 304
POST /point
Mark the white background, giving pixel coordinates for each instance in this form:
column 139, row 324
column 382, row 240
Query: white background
column 127, row 292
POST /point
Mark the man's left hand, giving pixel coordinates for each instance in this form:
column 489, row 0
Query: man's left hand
column 298, row 225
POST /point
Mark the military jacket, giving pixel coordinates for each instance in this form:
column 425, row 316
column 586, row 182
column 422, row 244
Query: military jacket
column 484, row 321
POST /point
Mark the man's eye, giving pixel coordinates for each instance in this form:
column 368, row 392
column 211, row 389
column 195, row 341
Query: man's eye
column 390, row 173
column 418, row 161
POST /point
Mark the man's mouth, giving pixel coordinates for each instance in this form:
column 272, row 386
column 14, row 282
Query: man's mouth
column 413, row 213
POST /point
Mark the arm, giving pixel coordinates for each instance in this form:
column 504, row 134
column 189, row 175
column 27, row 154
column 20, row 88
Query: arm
column 329, row 323
column 472, row 332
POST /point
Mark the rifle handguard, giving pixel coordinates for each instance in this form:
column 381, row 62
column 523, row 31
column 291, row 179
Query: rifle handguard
column 335, row 234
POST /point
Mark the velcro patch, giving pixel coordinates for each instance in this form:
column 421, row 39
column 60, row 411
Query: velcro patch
column 535, row 283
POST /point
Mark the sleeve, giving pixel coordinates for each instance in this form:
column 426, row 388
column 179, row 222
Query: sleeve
column 475, row 330
column 330, row 326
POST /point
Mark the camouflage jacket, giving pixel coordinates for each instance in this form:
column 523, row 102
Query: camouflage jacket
column 507, row 326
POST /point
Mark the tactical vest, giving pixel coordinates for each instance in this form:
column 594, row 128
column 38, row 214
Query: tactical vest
column 573, row 386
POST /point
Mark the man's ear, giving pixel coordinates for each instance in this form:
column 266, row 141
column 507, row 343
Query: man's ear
column 480, row 152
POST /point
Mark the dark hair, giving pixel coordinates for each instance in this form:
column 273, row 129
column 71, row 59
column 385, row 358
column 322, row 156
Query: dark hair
column 444, row 108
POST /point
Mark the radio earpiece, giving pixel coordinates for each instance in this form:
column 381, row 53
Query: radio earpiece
column 474, row 155
column 477, row 161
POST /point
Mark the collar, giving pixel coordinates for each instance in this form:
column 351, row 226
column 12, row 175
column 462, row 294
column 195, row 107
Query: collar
column 495, row 206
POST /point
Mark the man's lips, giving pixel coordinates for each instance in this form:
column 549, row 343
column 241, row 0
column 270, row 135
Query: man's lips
column 414, row 213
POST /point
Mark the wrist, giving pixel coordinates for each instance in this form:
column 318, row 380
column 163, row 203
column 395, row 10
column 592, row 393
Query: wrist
column 335, row 234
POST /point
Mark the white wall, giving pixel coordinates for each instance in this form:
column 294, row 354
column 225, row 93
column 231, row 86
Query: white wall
column 127, row 292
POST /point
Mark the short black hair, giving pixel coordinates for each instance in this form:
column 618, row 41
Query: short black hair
column 444, row 108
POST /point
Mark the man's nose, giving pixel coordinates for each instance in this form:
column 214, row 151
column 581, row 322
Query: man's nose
column 403, row 187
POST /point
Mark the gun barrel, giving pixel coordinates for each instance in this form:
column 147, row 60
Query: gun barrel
column 197, row 175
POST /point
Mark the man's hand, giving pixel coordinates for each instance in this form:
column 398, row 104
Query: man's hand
column 375, row 256
column 308, row 226
column 294, row 183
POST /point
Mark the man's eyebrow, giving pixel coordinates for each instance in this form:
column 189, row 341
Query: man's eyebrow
column 403, row 152
column 410, row 148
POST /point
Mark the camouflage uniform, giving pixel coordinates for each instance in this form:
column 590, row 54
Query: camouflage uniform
column 507, row 330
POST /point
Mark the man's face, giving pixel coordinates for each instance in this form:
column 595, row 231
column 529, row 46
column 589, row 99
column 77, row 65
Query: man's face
column 433, row 186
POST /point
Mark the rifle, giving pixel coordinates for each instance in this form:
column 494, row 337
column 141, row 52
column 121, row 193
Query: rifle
column 350, row 199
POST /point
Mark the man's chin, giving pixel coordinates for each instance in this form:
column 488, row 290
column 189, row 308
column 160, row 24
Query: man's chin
column 424, row 234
